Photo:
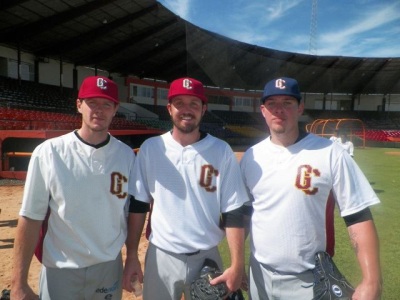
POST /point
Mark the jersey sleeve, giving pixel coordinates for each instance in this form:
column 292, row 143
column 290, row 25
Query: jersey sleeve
column 352, row 190
column 141, row 188
column 244, row 170
column 131, row 181
column 36, row 193
column 234, row 193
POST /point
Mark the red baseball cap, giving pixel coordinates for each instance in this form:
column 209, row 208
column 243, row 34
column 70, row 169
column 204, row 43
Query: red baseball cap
column 98, row 87
column 187, row 86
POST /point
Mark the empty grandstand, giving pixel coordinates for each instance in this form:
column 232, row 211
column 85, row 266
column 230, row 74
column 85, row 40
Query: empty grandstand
column 39, row 76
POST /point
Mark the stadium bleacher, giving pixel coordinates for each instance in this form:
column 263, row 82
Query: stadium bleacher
column 31, row 95
column 25, row 105
column 235, row 117
column 23, row 119
column 382, row 135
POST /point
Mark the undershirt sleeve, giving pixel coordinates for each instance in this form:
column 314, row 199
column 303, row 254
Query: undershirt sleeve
column 247, row 209
column 358, row 217
column 233, row 218
column 136, row 206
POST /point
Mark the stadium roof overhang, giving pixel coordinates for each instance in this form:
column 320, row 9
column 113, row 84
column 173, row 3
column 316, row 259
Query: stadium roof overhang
column 144, row 39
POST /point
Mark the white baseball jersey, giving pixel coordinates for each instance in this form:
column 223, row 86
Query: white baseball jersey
column 191, row 186
column 294, row 191
column 348, row 146
column 87, row 191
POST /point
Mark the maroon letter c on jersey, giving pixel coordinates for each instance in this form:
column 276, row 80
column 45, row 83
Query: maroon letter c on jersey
column 117, row 182
column 206, row 178
column 303, row 179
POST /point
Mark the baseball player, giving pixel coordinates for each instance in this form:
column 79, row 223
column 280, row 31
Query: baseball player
column 83, row 179
column 335, row 137
column 347, row 144
column 295, row 179
column 197, row 191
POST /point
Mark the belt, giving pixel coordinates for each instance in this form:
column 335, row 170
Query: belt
column 174, row 253
column 192, row 253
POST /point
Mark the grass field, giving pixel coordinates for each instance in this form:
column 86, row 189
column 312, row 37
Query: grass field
column 382, row 168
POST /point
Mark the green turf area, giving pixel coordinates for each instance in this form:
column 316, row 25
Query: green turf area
column 382, row 168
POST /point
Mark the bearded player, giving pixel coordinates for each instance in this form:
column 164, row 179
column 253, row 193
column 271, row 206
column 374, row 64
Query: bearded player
column 197, row 191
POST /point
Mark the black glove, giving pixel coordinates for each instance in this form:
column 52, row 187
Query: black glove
column 329, row 283
column 5, row 295
column 201, row 289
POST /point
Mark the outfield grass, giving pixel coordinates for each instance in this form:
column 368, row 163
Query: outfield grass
column 382, row 168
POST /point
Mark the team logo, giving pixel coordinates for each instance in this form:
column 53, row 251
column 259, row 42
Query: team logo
column 303, row 180
column 102, row 83
column 117, row 183
column 187, row 84
column 280, row 84
column 208, row 172
column 337, row 290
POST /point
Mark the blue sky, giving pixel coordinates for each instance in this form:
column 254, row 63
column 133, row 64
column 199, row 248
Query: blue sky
column 358, row 28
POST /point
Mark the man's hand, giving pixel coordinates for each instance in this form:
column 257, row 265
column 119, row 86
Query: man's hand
column 23, row 293
column 367, row 291
column 214, row 285
column 232, row 280
column 132, row 268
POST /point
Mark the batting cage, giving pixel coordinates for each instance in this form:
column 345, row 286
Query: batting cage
column 353, row 128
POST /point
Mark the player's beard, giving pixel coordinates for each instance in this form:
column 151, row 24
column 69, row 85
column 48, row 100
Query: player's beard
column 186, row 127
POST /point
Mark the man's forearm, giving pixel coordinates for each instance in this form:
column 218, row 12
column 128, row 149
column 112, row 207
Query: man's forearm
column 364, row 239
column 26, row 239
column 135, row 229
column 235, row 238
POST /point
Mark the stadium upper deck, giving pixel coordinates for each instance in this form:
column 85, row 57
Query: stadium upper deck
column 142, row 38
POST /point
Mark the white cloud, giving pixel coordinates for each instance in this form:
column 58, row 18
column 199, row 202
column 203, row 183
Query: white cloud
column 264, row 12
column 371, row 29
column 278, row 9
column 252, row 21
column 360, row 35
column 369, row 21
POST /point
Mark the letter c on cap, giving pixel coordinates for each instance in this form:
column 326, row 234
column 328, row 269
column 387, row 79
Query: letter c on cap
column 280, row 84
column 187, row 84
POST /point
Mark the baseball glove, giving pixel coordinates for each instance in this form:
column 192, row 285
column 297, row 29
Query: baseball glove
column 5, row 295
column 201, row 289
column 329, row 283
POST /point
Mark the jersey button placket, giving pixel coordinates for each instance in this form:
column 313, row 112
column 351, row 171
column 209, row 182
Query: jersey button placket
column 184, row 157
column 97, row 163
